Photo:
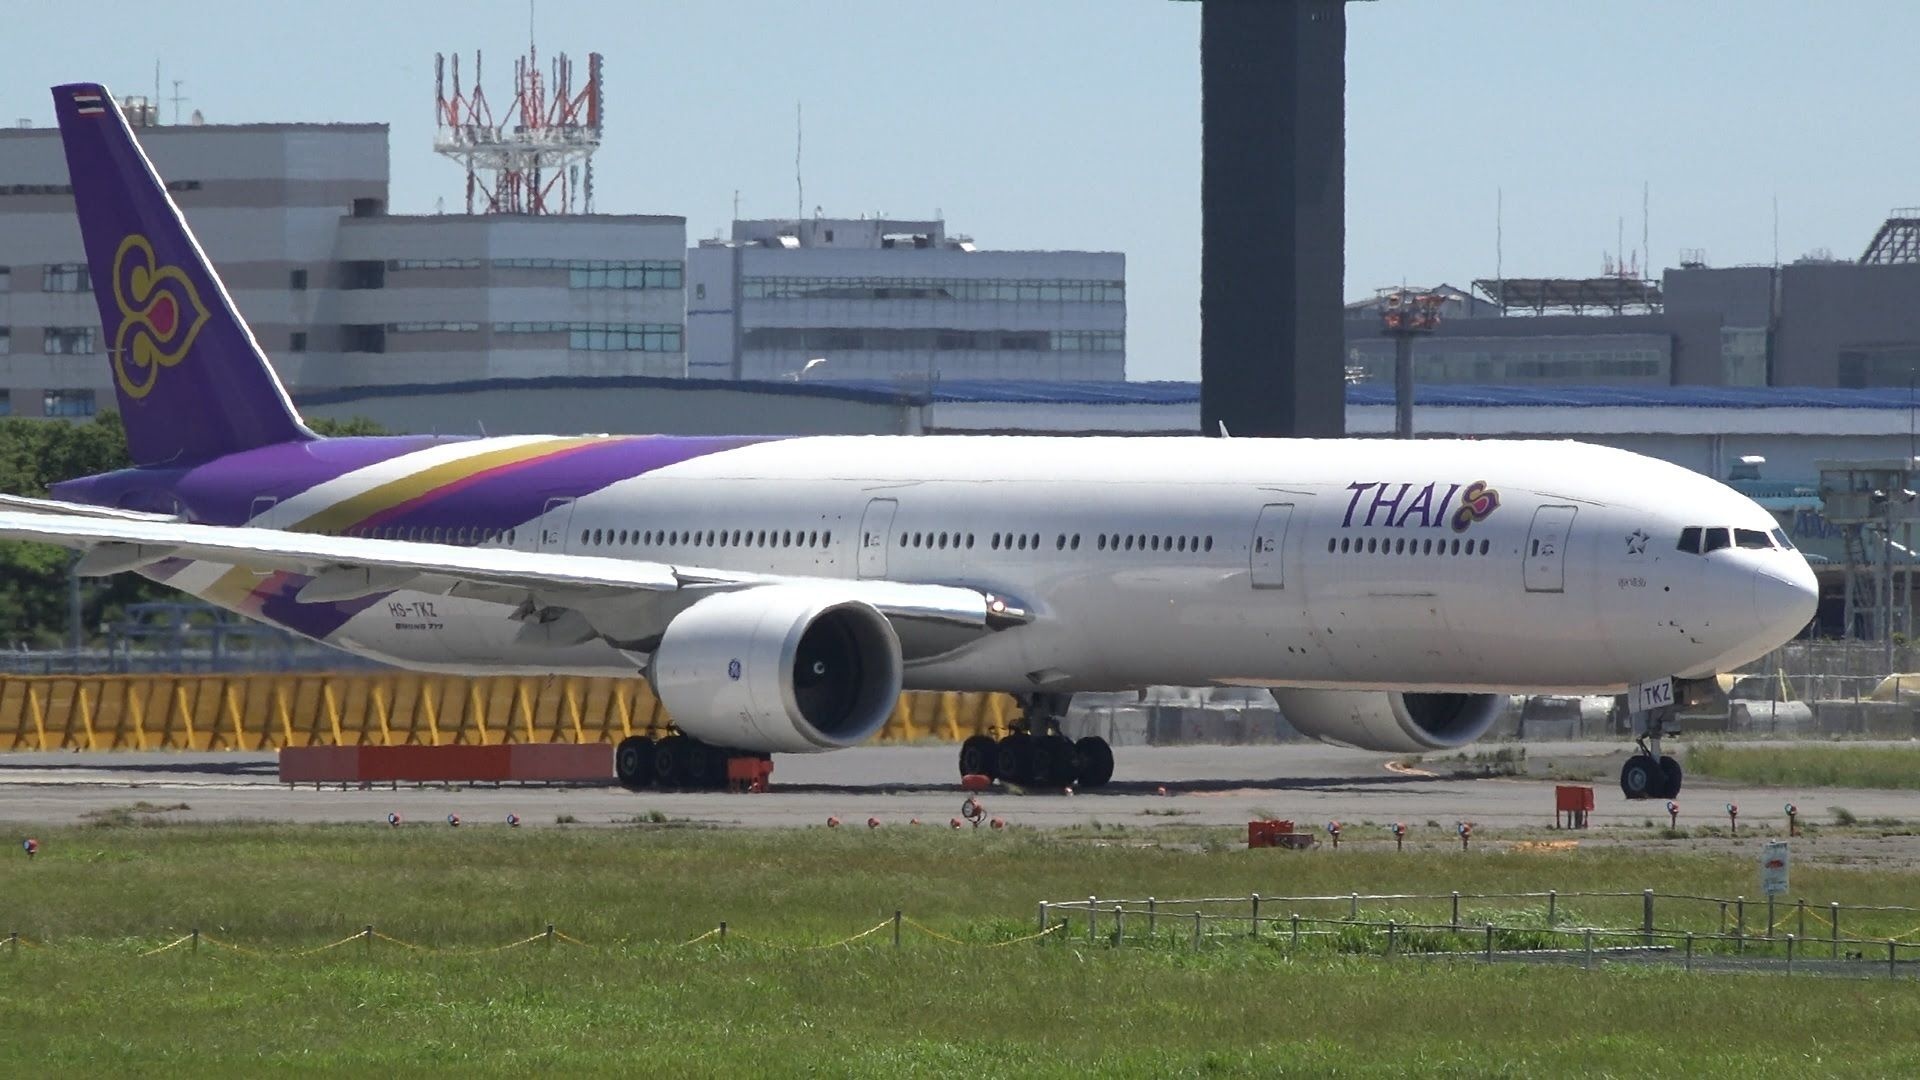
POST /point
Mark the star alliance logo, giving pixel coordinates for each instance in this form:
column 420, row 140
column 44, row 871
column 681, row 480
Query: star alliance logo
column 1637, row 542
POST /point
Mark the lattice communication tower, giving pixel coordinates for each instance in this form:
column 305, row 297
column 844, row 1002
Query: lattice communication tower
column 536, row 157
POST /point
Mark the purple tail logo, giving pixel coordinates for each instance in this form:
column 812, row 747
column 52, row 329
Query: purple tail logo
column 160, row 315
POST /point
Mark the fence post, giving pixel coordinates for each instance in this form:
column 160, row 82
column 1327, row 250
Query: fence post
column 1723, row 917
column 723, row 931
column 1296, row 929
column 366, row 939
column 1353, row 906
column 196, row 939
column 1043, row 916
column 1119, row 927
column 896, row 928
column 1489, row 943
column 1196, row 929
column 1891, row 946
column 1589, row 961
column 1689, row 950
column 1790, row 940
column 1456, row 911
column 1254, row 929
column 1392, row 934
column 1770, row 919
column 1646, row 917
column 1152, row 917
column 1553, row 898
column 1833, row 926
column 549, row 937
column 1093, row 917
column 1740, row 923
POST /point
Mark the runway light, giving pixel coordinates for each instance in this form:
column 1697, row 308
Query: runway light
column 1161, row 790
column 1673, row 814
column 833, row 823
column 1333, row 830
column 955, row 822
column 31, row 847
column 393, row 821
column 999, row 824
column 513, row 821
column 453, row 820
column 915, row 821
column 873, row 823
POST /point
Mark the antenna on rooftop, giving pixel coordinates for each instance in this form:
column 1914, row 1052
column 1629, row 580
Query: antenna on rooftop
column 537, row 157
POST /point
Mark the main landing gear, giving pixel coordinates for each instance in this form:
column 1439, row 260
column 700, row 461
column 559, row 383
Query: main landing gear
column 1649, row 774
column 1035, row 754
column 675, row 763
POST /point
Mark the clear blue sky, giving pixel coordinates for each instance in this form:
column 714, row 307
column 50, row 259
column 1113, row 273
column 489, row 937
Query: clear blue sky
column 1076, row 123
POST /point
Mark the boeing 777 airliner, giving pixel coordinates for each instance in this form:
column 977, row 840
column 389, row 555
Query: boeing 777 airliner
column 779, row 593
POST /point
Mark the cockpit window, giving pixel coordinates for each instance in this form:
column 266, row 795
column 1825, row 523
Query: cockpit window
column 1780, row 537
column 1690, row 539
column 1716, row 539
column 1751, row 538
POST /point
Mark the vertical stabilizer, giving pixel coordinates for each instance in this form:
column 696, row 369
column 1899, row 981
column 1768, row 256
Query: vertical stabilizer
column 193, row 384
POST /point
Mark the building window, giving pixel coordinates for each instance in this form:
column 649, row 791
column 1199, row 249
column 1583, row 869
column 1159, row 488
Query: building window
column 6, row 279
column 6, row 403
column 605, row 337
column 297, row 341
column 972, row 290
column 6, row 340
column 68, row 340
column 297, row 280
column 65, row 277
column 433, row 264
column 700, row 291
column 363, row 274
column 69, row 403
column 433, row 327
column 644, row 274
column 366, row 207
column 369, row 339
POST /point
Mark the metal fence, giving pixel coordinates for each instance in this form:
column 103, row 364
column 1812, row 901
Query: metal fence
column 1705, row 933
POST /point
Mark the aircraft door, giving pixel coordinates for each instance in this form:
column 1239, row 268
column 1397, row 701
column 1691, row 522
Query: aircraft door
column 1546, row 550
column 1269, row 551
column 554, row 523
column 875, row 526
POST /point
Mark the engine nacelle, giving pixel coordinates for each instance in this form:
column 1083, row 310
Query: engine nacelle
column 778, row 668
column 1389, row 720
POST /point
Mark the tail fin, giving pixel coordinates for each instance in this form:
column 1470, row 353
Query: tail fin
column 192, row 382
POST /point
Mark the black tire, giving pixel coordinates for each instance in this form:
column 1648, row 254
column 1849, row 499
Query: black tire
column 977, row 756
column 633, row 762
column 671, row 760
column 1058, row 763
column 1096, row 761
column 700, row 764
column 1640, row 778
column 715, row 778
column 1014, row 759
column 1672, row 777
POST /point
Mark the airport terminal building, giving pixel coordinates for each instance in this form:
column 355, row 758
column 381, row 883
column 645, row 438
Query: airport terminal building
column 338, row 291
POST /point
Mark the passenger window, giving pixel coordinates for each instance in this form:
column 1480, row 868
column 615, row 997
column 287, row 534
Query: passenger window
column 1074, row 543
column 1129, row 543
column 1690, row 540
column 1484, row 545
column 1535, row 548
column 1100, row 542
column 969, row 540
column 1716, row 539
column 1751, row 538
column 1023, row 542
column 1209, row 543
column 1371, row 542
column 1330, row 545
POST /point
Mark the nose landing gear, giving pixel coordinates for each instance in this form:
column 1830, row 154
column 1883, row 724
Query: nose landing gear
column 1649, row 774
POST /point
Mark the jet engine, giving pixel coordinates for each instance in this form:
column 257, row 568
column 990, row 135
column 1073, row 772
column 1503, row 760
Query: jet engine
column 1389, row 720
column 778, row 668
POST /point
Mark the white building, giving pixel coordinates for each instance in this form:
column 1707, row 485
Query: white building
column 337, row 291
column 877, row 298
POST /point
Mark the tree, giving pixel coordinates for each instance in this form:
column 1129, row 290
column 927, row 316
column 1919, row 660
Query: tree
column 334, row 429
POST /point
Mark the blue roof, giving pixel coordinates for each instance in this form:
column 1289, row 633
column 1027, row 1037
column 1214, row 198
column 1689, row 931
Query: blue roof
column 1014, row 391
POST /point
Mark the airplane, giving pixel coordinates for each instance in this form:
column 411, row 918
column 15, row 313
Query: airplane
column 780, row 593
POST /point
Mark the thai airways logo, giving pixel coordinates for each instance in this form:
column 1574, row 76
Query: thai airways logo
column 1476, row 503
column 160, row 315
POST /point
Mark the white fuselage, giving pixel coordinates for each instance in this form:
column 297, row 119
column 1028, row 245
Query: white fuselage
column 1429, row 565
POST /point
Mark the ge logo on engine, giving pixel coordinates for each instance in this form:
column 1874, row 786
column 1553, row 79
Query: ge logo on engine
column 733, row 669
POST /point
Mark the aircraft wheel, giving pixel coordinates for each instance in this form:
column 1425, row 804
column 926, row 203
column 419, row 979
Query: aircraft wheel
column 703, row 762
column 1640, row 777
column 977, row 756
column 1053, row 763
column 633, row 762
column 1096, row 761
column 1671, row 778
column 1015, row 758
column 671, row 761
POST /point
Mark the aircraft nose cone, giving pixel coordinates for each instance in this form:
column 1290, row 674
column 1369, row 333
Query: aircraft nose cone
column 1784, row 599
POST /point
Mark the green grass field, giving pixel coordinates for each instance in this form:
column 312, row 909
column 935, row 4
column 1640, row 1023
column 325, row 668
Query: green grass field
column 1808, row 765
column 634, row 999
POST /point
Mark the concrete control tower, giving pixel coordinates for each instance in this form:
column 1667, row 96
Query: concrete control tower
column 1273, row 203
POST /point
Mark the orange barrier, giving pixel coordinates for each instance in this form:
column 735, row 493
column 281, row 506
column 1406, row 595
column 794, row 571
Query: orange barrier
column 445, row 764
column 267, row 712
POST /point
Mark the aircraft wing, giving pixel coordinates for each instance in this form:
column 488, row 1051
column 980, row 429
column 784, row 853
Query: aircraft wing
column 25, row 505
column 626, row 601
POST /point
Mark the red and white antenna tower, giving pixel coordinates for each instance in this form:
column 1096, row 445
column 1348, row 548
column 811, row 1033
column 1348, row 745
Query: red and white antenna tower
column 537, row 157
